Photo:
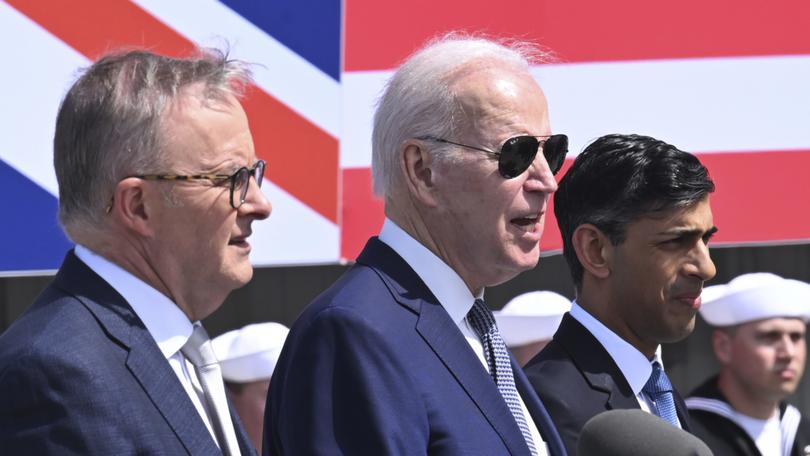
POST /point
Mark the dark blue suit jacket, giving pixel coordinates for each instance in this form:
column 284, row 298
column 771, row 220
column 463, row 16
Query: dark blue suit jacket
column 80, row 374
column 376, row 366
column 577, row 379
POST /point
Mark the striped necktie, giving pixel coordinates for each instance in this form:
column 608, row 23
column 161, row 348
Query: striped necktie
column 500, row 367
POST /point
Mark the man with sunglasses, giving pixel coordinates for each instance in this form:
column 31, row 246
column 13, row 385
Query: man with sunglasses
column 401, row 356
column 635, row 220
column 158, row 187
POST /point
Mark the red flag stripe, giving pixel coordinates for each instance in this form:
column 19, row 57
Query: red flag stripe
column 760, row 198
column 301, row 158
column 581, row 31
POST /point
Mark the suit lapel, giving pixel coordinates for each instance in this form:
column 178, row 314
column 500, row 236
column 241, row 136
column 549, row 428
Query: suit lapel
column 683, row 413
column 158, row 380
column 538, row 412
column 144, row 359
column 596, row 365
column 245, row 444
column 442, row 335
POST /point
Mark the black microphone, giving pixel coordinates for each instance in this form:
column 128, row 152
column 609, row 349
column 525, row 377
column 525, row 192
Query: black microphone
column 636, row 433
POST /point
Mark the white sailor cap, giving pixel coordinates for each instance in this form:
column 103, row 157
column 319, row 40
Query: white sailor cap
column 755, row 296
column 531, row 317
column 250, row 354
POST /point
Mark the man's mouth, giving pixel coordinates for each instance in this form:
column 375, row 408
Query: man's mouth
column 240, row 241
column 690, row 299
column 527, row 223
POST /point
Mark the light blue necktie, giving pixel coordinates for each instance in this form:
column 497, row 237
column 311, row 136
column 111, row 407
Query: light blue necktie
column 659, row 389
column 500, row 367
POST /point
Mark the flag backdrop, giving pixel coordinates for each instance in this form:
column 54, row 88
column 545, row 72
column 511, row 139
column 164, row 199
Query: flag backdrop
column 728, row 80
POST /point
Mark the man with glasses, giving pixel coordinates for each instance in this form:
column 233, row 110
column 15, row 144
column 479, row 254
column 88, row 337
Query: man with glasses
column 158, row 187
column 402, row 356
column 635, row 220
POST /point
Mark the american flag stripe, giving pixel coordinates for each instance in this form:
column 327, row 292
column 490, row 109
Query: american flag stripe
column 380, row 34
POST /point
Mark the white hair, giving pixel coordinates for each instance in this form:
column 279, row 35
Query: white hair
column 419, row 99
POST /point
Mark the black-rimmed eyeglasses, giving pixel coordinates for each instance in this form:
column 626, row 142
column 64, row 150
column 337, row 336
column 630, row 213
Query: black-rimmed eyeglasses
column 240, row 180
column 517, row 154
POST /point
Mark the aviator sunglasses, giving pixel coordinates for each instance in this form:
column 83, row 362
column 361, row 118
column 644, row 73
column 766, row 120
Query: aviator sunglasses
column 517, row 154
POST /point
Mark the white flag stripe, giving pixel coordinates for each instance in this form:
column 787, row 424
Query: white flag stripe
column 280, row 72
column 702, row 105
column 294, row 234
column 32, row 88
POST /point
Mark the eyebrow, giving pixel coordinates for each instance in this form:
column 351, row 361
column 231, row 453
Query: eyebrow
column 682, row 232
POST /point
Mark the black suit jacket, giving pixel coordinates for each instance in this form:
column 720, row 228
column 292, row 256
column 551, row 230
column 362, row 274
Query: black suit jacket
column 577, row 379
column 80, row 374
column 376, row 366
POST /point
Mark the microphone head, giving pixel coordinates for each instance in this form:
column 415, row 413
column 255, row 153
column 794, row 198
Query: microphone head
column 636, row 433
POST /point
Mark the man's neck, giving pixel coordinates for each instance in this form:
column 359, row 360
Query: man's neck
column 593, row 303
column 745, row 401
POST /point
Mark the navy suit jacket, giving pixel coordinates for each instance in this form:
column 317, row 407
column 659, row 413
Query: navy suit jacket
column 577, row 379
column 80, row 374
column 376, row 366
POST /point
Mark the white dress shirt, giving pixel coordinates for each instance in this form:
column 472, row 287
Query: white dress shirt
column 635, row 367
column 452, row 293
column 166, row 323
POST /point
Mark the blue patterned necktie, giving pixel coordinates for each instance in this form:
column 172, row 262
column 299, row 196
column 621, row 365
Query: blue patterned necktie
column 500, row 367
column 659, row 389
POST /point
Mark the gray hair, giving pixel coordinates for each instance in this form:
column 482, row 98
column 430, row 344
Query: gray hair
column 419, row 99
column 109, row 124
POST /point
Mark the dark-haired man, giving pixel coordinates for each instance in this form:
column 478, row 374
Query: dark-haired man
column 635, row 219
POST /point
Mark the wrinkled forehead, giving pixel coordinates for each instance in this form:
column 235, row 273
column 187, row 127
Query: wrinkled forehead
column 502, row 95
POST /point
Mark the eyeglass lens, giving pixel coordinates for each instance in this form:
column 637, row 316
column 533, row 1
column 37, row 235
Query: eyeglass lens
column 241, row 182
column 518, row 153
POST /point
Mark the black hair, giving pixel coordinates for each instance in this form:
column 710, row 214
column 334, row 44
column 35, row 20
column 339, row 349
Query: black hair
column 618, row 179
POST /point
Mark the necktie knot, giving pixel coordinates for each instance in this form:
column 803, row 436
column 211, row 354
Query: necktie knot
column 658, row 381
column 481, row 319
column 198, row 349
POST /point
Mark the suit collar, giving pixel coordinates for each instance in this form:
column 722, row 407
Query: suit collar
column 634, row 366
column 601, row 371
column 144, row 359
column 540, row 415
column 167, row 324
column 595, row 363
column 440, row 332
column 448, row 287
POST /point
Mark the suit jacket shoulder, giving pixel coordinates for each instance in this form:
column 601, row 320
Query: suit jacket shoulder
column 80, row 374
column 577, row 379
column 375, row 365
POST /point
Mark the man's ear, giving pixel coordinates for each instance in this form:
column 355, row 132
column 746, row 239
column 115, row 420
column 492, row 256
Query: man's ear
column 593, row 249
column 130, row 206
column 721, row 343
column 416, row 166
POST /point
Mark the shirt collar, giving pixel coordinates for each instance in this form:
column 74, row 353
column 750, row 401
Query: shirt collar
column 635, row 367
column 166, row 323
column 441, row 279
